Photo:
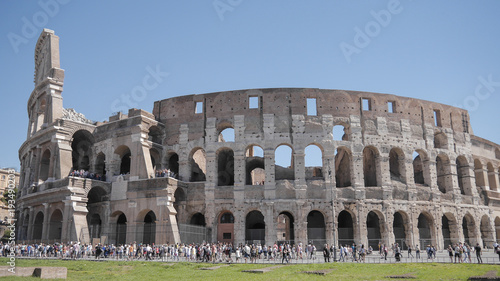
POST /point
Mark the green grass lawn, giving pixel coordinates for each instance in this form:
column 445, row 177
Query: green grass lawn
column 140, row 270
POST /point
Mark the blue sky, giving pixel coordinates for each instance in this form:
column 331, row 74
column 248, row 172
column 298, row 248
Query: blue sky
column 441, row 51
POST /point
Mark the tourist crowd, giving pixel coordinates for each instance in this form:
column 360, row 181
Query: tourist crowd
column 165, row 173
column 86, row 174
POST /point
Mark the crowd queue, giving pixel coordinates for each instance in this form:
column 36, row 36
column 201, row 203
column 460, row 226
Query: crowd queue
column 225, row 252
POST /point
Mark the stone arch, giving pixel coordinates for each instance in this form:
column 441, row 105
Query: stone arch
column 198, row 165
column 469, row 228
column 255, row 173
column 100, row 165
column 45, row 165
column 449, row 229
column 149, row 228
column 38, row 226
column 316, row 228
column 397, row 164
column 375, row 228
column 426, row 232
column 313, row 161
column 343, row 160
column 285, row 227
column 282, row 154
column 443, row 172
column 440, row 140
column 346, row 227
column 420, row 167
column 155, row 156
column 96, row 194
column 123, row 153
column 55, row 225
column 225, row 167
column 462, row 175
column 370, row 169
column 225, row 227
column 255, row 227
column 94, row 223
column 120, row 227
column 492, row 179
column 226, row 135
column 180, row 200
column 155, row 134
column 82, row 146
column 198, row 219
column 340, row 132
column 401, row 229
column 172, row 162
column 487, row 231
column 479, row 173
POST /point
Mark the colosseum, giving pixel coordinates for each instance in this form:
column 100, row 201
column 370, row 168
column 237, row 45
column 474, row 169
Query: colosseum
column 208, row 167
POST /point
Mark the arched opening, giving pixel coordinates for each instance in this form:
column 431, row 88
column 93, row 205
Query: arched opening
column 55, row 224
column 374, row 232
column 399, row 229
column 38, row 227
column 173, row 163
column 492, row 179
column 479, row 173
column 445, row 227
column 225, row 167
column 468, row 227
column 45, row 165
column 462, row 171
column 370, row 166
column 100, row 166
column 180, row 201
column 123, row 153
column 440, row 140
column 149, row 236
column 345, row 228
column 82, row 150
column 95, row 196
column 283, row 161
column 155, row 159
column 121, row 229
column 486, row 231
column 397, row 165
column 255, row 228
column 155, row 135
column 340, row 133
column 313, row 162
column 418, row 168
column 443, row 173
column 226, row 135
column 41, row 116
column 198, row 219
column 342, row 167
column 255, row 173
column 198, row 164
column 225, row 229
column 424, row 230
column 316, row 229
column 284, row 228
column 94, row 222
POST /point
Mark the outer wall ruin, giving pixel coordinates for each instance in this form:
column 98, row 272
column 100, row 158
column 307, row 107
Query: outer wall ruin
column 392, row 169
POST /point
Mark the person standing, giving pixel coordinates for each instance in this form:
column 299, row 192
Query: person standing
column 409, row 252
column 478, row 253
column 326, row 253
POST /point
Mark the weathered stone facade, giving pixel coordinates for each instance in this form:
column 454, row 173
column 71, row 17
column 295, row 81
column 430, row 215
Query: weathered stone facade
column 394, row 169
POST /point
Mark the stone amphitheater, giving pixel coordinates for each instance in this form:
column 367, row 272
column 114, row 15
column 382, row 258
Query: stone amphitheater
column 391, row 169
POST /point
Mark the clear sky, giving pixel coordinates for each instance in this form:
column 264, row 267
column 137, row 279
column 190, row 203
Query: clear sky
column 442, row 51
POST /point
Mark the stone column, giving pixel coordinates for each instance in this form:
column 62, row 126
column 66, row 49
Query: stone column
column 357, row 176
column 45, row 228
column 299, row 174
column 270, row 183
column 239, row 176
column 270, row 222
column 31, row 222
column 66, row 223
column 384, row 177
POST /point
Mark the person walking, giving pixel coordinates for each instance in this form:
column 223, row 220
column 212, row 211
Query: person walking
column 326, row 253
column 409, row 252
